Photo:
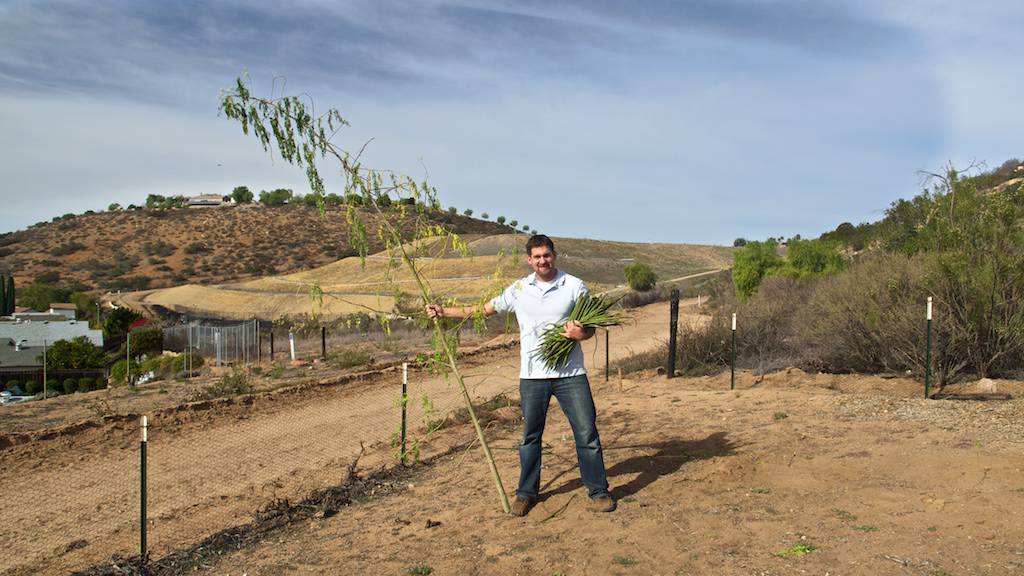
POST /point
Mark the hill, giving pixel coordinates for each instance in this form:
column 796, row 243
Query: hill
column 349, row 286
column 140, row 249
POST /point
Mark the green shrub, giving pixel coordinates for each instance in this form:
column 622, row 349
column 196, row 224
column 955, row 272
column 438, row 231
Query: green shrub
column 751, row 263
column 229, row 385
column 66, row 248
column 640, row 277
column 11, row 384
column 86, row 384
column 70, row 385
column 33, row 387
column 77, row 353
column 349, row 357
column 53, row 388
column 118, row 372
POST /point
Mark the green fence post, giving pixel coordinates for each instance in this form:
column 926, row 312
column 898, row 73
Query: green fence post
column 142, row 490
column 405, row 397
column 732, row 363
column 323, row 342
column 928, row 351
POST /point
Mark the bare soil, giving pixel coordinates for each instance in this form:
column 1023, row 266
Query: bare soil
column 858, row 472
column 801, row 474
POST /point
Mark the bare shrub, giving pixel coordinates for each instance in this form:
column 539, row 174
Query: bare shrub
column 870, row 319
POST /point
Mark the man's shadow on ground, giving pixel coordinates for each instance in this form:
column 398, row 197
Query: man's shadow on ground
column 670, row 456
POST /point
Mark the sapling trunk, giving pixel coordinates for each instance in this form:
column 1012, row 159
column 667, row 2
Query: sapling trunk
column 439, row 332
column 300, row 139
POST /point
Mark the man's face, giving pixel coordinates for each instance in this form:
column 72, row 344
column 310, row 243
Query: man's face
column 542, row 260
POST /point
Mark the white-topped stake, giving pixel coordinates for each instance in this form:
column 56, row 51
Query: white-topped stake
column 291, row 344
column 734, row 321
column 929, row 308
column 145, row 429
column 405, row 373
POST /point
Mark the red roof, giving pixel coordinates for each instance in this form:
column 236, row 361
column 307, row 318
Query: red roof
column 139, row 322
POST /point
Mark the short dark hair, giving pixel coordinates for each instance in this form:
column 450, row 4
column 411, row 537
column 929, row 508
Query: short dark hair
column 538, row 240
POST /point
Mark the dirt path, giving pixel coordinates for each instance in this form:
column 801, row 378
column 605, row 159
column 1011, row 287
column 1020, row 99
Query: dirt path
column 212, row 466
column 803, row 474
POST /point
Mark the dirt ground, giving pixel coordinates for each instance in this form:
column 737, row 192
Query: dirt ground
column 800, row 474
column 72, row 463
column 858, row 473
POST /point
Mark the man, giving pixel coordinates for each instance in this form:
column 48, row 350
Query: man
column 539, row 301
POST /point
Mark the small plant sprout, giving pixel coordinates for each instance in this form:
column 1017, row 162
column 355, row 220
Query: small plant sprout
column 796, row 551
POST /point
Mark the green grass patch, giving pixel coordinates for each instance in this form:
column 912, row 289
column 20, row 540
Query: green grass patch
column 866, row 528
column 623, row 560
column 843, row 515
column 779, row 416
column 420, row 570
column 796, row 551
column 760, row 490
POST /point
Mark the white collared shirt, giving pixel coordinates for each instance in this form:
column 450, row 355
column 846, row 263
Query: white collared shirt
column 537, row 309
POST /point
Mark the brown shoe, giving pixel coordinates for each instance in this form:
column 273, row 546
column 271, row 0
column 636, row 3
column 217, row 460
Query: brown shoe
column 604, row 503
column 520, row 506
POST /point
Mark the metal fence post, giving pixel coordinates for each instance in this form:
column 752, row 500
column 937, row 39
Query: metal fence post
column 291, row 344
column 405, row 400
column 44, row 369
column 142, row 490
column 673, row 327
column 271, row 345
column 928, row 351
column 323, row 342
column 732, row 381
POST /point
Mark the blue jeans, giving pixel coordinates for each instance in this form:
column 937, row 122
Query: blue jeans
column 573, row 395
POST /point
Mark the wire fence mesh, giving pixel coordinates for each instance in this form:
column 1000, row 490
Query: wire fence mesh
column 215, row 465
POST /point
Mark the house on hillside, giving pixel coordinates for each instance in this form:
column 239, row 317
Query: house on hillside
column 32, row 333
column 66, row 309
column 18, row 357
column 209, row 200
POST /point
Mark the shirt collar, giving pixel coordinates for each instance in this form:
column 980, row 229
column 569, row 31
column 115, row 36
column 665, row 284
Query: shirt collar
column 558, row 281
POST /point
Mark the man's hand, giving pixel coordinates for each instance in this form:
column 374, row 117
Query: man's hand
column 575, row 331
column 435, row 311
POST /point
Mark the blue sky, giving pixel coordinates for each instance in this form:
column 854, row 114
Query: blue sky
column 640, row 121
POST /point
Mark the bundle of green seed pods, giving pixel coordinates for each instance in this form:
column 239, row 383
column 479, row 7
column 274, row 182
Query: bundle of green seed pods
column 589, row 312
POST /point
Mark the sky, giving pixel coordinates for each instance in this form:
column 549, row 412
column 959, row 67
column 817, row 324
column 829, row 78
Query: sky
column 647, row 121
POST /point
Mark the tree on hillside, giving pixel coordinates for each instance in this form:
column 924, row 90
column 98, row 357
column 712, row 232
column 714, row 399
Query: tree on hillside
column 485, row 216
column 154, row 201
column 276, row 197
column 453, row 210
column 513, row 223
column 114, row 207
column 118, row 321
column 752, row 263
column 739, row 242
column 241, row 195
column 500, row 219
column 468, row 211
column 39, row 296
column 640, row 277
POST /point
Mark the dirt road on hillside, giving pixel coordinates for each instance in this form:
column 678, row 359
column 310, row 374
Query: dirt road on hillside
column 212, row 465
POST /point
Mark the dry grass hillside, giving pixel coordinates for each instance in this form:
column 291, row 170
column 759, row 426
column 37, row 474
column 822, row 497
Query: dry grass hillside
column 163, row 248
column 350, row 286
